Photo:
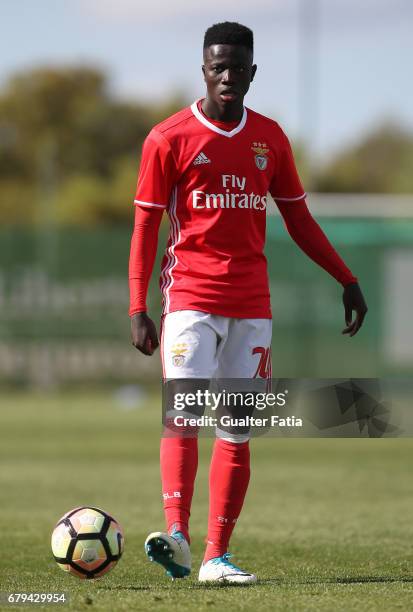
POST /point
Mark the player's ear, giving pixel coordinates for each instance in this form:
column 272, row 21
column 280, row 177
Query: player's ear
column 203, row 70
column 253, row 71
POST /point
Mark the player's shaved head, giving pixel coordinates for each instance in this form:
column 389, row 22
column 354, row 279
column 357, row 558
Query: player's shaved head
column 228, row 69
column 229, row 33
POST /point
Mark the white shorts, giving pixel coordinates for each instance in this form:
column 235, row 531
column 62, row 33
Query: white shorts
column 196, row 344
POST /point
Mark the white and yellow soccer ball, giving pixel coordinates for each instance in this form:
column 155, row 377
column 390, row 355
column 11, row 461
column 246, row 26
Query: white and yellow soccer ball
column 87, row 542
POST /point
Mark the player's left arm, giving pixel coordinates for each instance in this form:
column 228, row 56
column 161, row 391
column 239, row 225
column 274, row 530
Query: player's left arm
column 288, row 193
column 309, row 236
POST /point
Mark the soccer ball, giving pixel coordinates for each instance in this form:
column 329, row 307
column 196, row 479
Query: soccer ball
column 87, row 542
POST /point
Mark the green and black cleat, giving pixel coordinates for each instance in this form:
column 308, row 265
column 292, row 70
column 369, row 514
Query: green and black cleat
column 170, row 551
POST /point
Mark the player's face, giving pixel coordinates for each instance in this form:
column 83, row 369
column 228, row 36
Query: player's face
column 228, row 71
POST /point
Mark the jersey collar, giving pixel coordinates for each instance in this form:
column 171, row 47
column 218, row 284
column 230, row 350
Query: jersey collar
column 214, row 128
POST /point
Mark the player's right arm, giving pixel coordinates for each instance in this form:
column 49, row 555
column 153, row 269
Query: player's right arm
column 157, row 174
column 141, row 260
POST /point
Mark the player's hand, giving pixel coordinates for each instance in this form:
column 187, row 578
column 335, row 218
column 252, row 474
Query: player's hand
column 144, row 336
column 353, row 300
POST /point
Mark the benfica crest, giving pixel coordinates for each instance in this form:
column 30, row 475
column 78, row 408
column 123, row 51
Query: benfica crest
column 178, row 354
column 261, row 150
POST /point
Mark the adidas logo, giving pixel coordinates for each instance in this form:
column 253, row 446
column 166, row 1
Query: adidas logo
column 201, row 159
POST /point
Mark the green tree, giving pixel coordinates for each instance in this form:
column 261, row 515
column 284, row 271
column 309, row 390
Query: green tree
column 380, row 163
column 66, row 142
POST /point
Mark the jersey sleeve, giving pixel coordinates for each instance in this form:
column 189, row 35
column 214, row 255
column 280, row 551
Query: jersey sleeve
column 142, row 255
column 309, row 236
column 286, row 184
column 157, row 172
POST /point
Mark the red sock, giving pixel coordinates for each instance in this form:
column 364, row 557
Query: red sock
column 179, row 462
column 228, row 482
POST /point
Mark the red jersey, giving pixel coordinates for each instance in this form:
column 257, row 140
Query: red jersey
column 213, row 183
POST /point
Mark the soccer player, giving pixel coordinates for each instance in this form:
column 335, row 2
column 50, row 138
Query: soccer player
column 210, row 167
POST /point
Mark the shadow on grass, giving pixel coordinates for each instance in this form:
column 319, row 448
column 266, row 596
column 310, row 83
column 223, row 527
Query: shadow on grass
column 180, row 584
column 122, row 587
column 341, row 580
column 362, row 579
column 197, row 586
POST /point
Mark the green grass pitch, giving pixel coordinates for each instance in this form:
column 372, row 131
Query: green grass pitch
column 327, row 525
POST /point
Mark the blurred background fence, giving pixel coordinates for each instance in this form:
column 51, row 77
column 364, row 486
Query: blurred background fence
column 64, row 299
